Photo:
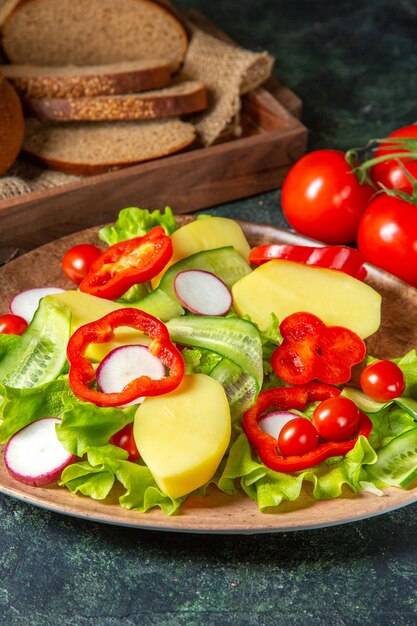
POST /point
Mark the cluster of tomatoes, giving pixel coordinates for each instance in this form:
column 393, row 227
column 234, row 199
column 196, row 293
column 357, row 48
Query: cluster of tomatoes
column 373, row 204
column 337, row 419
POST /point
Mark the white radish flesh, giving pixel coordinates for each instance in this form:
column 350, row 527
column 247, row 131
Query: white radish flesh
column 35, row 456
column 273, row 423
column 202, row 293
column 26, row 302
column 126, row 363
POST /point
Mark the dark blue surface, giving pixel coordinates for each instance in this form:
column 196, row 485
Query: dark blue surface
column 354, row 66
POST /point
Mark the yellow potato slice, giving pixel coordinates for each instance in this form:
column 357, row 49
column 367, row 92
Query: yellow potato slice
column 182, row 436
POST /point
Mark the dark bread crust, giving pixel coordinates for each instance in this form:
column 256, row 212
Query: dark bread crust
column 12, row 126
column 57, row 84
column 150, row 105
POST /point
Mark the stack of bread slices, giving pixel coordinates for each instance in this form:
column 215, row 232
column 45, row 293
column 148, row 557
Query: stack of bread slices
column 99, row 82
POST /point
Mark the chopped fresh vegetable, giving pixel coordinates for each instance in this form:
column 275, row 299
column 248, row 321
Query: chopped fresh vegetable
column 311, row 350
column 35, row 456
column 125, row 439
column 297, row 437
column 341, row 258
column 336, row 419
column 26, row 302
column 82, row 372
column 202, row 293
column 127, row 263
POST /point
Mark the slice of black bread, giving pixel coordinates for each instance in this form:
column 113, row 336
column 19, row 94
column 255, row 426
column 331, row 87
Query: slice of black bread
column 84, row 148
column 92, row 32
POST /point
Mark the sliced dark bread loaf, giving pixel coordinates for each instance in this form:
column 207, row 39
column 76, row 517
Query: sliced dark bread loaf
column 92, row 32
column 11, row 125
column 83, row 148
column 179, row 99
column 33, row 81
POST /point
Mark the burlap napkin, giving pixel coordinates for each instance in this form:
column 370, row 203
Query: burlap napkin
column 228, row 72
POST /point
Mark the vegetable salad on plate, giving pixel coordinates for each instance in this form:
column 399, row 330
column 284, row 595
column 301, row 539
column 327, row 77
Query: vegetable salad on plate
column 183, row 358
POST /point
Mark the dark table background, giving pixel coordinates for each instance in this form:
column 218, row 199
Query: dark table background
column 353, row 63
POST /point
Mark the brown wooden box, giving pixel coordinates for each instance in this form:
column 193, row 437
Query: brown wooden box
column 273, row 139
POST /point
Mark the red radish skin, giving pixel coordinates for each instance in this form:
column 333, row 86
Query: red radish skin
column 35, row 456
column 124, row 364
column 202, row 293
column 273, row 423
column 26, row 302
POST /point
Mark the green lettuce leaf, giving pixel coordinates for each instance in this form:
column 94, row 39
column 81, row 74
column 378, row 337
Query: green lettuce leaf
column 107, row 464
column 269, row 488
column 8, row 342
column 20, row 407
column 85, row 425
column 134, row 222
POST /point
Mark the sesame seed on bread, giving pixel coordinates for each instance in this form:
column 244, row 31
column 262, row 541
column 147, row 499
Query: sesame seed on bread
column 179, row 99
column 73, row 81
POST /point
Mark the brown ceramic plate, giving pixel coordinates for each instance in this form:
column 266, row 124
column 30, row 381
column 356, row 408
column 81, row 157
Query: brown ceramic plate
column 217, row 512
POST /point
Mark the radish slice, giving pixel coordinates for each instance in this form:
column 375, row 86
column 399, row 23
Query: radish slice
column 35, row 456
column 273, row 423
column 26, row 302
column 202, row 293
column 124, row 364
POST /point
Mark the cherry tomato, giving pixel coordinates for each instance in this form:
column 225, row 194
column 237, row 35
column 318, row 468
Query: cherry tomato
column 77, row 261
column 387, row 236
column 321, row 198
column 382, row 381
column 125, row 439
column 298, row 437
column 391, row 172
column 336, row 419
column 12, row 324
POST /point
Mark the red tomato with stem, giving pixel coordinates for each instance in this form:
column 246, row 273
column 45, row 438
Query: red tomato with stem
column 336, row 419
column 12, row 324
column 321, row 197
column 391, row 172
column 387, row 236
column 383, row 381
column 298, row 437
column 125, row 439
column 77, row 261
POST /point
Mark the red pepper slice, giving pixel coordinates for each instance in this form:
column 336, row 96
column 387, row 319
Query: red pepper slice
column 283, row 399
column 341, row 258
column 311, row 350
column 128, row 263
column 82, row 373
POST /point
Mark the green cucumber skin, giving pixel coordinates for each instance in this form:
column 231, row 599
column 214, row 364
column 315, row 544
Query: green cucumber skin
column 232, row 337
column 397, row 461
column 225, row 263
column 40, row 356
column 159, row 304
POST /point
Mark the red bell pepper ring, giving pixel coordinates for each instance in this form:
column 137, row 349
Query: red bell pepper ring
column 340, row 258
column 284, row 399
column 82, row 373
column 313, row 351
column 128, row 263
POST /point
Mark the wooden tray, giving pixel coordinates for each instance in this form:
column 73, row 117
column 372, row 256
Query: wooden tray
column 218, row 512
column 272, row 141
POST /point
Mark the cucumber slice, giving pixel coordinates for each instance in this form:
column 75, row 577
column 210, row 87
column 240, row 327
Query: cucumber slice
column 397, row 461
column 239, row 386
column 160, row 305
column 225, row 263
column 40, row 355
column 232, row 337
